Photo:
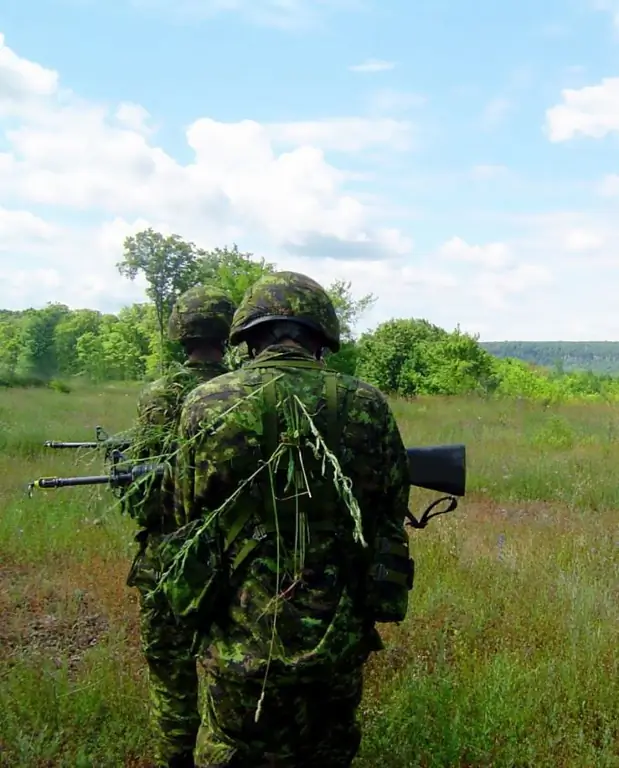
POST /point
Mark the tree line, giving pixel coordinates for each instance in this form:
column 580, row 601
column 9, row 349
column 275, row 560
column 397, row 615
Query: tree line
column 405, row 357
column 595, row 356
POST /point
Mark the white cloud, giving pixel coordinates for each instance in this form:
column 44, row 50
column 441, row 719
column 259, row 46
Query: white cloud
column 494, row 288
column 134, row 117
column 23, row 228
column 592, row 111
column 373, row 65
column 490, row 256
column 583, row 240
column 21, row 80
column 82, row 158
column 609, row 187
column 345, row 134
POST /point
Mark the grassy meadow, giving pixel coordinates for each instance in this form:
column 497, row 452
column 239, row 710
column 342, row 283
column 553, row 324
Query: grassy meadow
column 510, row 654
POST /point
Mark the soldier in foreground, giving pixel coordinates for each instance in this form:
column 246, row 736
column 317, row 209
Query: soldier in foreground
column 294, row 485
column 200, row 321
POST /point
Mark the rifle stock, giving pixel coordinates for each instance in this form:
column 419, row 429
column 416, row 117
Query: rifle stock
column 440, row 468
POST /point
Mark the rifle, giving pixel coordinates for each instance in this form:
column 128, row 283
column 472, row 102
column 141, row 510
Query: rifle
column 440, row 468
column 122, row 474
column 102, row 440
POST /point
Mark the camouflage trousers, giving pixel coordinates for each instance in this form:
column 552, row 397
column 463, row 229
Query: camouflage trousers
column 172, row 668
column 301, row 726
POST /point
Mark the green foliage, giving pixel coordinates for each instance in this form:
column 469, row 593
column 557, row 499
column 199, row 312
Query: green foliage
column 170, row 267
column 412, row 357
column 59, row 386
column 232, row 269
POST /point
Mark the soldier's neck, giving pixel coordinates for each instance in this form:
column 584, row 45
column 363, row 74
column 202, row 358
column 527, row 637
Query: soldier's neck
column 206, row 355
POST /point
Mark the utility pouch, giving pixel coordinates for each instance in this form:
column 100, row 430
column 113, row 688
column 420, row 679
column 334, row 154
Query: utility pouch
column 190, row 574
column 391, row 577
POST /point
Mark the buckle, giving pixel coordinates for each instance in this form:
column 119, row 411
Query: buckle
column 259, row 533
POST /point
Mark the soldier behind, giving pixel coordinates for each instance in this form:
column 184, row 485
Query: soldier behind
column 295, row 618
column 200, row 321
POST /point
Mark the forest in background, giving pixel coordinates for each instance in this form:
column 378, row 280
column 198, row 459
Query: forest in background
column 405, row 356
column 596, row 356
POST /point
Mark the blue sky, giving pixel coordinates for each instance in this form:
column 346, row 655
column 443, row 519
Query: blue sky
column 428, row 152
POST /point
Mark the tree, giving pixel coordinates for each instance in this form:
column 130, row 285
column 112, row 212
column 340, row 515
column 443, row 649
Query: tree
column 36, row 355
column 392, row 356
column 170, row 266
column 348, row 309
column 235, row 271
column 67, row 332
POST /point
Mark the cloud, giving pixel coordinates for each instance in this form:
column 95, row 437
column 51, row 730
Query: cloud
column 345, row 134
column 372, row 66
column 494, row 288
column 609, row 186
column 490, row 256
column 583, row 240
column 100, row 169
column 592, row 111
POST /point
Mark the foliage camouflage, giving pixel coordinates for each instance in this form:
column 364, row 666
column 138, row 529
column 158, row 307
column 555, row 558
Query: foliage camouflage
column 287, row 295
column 167, row 649
column 300, row 611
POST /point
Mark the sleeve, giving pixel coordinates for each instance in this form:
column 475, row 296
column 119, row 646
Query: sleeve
column 391, row 573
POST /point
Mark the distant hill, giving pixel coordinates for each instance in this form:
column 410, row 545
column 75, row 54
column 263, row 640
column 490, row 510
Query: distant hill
column 596, row 356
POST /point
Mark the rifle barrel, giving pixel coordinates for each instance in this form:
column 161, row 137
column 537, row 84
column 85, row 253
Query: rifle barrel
column 63, row 482
column 63, row 444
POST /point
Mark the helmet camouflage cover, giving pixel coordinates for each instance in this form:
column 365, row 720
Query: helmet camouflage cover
column 287, row 296
column 202, row 312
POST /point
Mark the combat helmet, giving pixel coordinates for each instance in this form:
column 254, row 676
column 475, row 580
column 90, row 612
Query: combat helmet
column 289, row 296
column 202, row 312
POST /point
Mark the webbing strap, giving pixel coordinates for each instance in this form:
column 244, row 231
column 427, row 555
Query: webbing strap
column 287, row 363
column 262, row 531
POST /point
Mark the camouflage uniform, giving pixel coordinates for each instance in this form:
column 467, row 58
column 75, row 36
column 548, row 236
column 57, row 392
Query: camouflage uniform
column 305, row 668
column 201, row 313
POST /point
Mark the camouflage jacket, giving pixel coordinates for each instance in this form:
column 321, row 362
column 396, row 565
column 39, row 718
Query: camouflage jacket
column 154, row 438
column 322, row 620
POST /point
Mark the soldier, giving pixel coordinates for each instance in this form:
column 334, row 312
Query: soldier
column 294, row 484
column 200, row 321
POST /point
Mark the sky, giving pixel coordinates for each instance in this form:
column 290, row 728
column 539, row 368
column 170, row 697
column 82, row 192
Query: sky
column 458, row 160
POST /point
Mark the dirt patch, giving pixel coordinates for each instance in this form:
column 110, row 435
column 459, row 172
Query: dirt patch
column 47, row 624
column 61, row 611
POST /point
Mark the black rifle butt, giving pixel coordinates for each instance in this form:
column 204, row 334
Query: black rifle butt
column 440, row 468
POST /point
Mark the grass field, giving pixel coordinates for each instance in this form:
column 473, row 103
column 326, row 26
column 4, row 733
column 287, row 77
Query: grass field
column 510, row 655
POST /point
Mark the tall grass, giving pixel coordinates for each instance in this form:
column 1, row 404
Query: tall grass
column 509, row 656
